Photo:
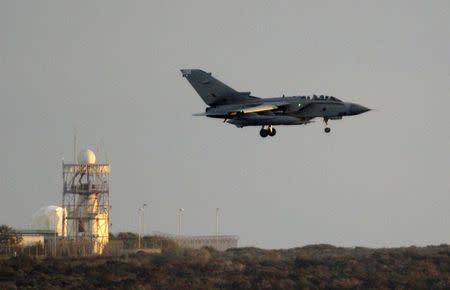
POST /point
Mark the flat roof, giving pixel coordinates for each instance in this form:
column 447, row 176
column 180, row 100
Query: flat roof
column 35, row 232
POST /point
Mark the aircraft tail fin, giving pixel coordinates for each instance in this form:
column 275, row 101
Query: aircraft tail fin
column 211, row 90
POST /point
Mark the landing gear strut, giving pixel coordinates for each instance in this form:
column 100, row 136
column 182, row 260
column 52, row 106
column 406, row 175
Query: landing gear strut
column 270, row 131
column 327, row 129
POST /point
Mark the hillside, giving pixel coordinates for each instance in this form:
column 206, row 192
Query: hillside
column 310, row 267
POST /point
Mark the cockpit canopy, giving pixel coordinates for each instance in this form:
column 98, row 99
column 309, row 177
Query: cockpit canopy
column 321, row 97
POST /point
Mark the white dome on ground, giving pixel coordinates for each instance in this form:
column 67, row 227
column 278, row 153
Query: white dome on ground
column 86, row 157
column 48, row 218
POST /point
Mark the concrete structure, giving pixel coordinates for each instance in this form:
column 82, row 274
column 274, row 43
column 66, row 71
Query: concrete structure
column 218, row 242
column 35, row 237
column 86, row 201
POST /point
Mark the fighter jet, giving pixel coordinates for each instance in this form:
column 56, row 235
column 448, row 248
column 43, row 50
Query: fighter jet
column 242, row 109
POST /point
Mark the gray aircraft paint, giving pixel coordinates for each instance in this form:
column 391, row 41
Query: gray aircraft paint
column 242, row 109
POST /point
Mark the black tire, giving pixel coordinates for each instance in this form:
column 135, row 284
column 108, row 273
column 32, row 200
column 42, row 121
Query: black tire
column 272, row 132
column 327, row 130
column 263, row 133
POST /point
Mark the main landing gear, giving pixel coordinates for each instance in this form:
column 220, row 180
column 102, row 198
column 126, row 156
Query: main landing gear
column 327, row 129
column 270, row 131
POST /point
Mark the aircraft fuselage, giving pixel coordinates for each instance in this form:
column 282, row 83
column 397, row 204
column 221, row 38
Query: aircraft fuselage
column 242, row 109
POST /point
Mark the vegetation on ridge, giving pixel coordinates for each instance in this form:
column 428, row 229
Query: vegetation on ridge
column 310, row 267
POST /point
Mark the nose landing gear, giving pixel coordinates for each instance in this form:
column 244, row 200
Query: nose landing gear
column 270, row 131
column 327, row 129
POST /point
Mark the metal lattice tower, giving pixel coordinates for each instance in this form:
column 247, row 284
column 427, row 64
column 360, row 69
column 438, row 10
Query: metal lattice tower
column 86, row 202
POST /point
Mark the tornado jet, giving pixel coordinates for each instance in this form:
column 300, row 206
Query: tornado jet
column 242, row 109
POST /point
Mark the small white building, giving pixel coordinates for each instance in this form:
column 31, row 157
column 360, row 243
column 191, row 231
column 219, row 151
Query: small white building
column 35, row 237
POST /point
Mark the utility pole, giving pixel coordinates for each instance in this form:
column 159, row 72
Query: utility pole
column 139, row 228
column 217, row 228
column 140, row 223
column 180, row 210
column 143, row 219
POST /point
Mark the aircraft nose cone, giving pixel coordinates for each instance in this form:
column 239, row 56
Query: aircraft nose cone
column 355, row 109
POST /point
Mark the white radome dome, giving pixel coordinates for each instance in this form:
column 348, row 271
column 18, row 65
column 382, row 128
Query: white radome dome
column 48, row 218
column 86, row 157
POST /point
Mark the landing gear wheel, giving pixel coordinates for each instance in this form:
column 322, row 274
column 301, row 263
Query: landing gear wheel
column 272, row 132
column 263, row 133
column 327, row 130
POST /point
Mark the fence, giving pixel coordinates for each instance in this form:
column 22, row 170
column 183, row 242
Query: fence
column 67, row 248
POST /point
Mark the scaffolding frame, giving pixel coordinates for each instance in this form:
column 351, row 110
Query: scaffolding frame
column 86, row 204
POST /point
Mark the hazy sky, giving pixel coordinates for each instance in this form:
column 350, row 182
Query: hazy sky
column 110, row 71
